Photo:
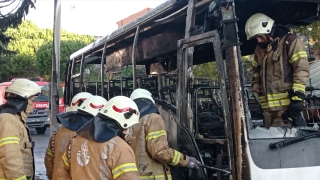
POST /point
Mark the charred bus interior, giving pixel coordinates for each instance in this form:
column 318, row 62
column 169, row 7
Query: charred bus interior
column 218, row 122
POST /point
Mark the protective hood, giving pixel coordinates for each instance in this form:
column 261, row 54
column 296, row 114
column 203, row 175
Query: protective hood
column 29, row 109
column 14, row 106
column 23, row 107
column 74, row 120
column 279, row 30
column 100, row 129
column 146, row 106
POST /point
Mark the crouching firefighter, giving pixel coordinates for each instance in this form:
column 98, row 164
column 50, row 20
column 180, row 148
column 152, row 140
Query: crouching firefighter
column 281, row 70
column 16, row 146
column 71, row 121
column 150, row 144
column 98, row 151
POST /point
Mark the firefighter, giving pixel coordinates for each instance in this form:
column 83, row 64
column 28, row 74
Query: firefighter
column 98, row 151
column 281, row 70
column 150, row 143
column 16, row 146
column 71, row 122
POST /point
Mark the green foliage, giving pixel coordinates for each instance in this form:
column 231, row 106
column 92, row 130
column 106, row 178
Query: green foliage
column 312, row 30
column 140, row 70
column 247, row 67
column 12, row 18
column 126, row 71
column 44, row 55
column 207, row 70
column 17, row 66
column 91, row 73
column 34, row 51
column 22, row 64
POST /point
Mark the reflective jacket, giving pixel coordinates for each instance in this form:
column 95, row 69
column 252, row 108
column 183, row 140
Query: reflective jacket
column 86, row 159
column 279, row 68
column 56, row 147
column 152, row 150
column 16, row 149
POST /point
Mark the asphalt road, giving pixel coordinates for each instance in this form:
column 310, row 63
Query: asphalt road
column 41, row 143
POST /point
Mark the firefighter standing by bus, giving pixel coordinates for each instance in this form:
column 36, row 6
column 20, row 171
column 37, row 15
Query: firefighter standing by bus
column 71, row 121
column 16, row 146
column 281, row 70
column 150, row 141
column 98, row 151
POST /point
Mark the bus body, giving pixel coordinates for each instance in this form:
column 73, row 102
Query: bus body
column 219, row 123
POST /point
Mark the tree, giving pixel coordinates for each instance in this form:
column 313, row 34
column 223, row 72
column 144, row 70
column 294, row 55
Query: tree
column 69, row 44
column 10, row 17
column 247, row 67
column 34, row 51
column 312, row 31
column 207, row 70
column 24, row 41
column 126, row 71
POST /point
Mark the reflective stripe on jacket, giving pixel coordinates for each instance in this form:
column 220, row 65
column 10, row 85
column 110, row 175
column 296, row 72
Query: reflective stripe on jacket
column 152, row 150
column 279, row 68
column 157, row 177
column 56, row 147
column 86, row 159
column 16, row 160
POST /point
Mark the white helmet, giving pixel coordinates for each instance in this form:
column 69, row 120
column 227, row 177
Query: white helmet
column 141, row 93
column 258, row 24
column 123, row 110
column 24, row 88
column 93, row 105
column 78, row 99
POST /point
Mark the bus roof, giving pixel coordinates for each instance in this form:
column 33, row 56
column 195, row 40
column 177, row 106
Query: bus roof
column 152, row 14
column 167, row 21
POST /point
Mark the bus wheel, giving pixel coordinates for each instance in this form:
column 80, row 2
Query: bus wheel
column 41, row 130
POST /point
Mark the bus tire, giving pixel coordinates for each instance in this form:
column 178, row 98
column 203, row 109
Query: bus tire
column 41, row 130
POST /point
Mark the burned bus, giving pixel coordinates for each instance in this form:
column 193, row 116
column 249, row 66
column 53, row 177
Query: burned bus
column 219, row 123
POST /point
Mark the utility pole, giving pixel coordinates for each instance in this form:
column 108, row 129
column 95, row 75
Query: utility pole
column 55, row 76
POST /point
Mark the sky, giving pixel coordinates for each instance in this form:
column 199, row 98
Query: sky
column 88, row 17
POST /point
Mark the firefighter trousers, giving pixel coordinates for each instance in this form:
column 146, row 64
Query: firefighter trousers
column 274, row 119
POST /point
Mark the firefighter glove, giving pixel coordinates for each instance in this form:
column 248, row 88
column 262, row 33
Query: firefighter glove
column 296, row 95
column 193, row 163
column 293, row 114
column 295, row 106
